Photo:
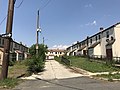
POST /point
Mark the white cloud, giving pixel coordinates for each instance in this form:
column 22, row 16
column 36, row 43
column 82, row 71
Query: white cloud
column 60, row 46
column 88, row 6
column 92, row 23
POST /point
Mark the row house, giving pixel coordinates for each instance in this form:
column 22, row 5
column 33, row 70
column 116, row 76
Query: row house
column 104, row 44
column 54, row 52
column 82, row 51
column 72, row 50
column 18, row 51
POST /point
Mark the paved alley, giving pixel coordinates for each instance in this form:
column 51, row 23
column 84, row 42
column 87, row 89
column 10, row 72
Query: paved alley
column 54, row 70
column 58, row 77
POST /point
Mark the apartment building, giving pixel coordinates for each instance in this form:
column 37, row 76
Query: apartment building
column 104, row 44
column 18, row 51
column 54, row 52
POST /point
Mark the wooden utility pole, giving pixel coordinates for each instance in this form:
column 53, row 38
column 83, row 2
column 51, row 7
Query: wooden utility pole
column 7, row 40
column 37, row 33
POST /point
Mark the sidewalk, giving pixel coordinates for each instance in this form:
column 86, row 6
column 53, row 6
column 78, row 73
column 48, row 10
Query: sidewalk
column 54, row 70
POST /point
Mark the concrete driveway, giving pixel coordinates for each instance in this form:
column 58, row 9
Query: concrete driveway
column 54, row 70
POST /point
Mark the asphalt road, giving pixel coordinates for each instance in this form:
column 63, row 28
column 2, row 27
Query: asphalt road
column 58, row 77
column 79, row 83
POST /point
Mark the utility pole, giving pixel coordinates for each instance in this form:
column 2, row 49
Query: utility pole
column 7, row 40
column 37, row 33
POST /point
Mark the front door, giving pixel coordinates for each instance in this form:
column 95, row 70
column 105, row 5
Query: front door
column 84, row 52
column 109, row 54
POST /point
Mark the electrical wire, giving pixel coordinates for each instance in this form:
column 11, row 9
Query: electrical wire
column 20, row 4
column 3, row 20
column 43, row 8
column 15, row 7
column 45, row 5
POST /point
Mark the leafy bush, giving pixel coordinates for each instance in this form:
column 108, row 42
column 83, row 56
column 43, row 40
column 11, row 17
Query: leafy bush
column 11, row 62
column 35, row 64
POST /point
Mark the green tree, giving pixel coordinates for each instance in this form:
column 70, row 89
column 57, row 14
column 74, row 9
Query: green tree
column 32, row 50
column 42, row 49
column 36, row 63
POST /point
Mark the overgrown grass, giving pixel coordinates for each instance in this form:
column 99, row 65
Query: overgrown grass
column 109, row 76
column 9, row 83
column 17, row 70
column 91, row 66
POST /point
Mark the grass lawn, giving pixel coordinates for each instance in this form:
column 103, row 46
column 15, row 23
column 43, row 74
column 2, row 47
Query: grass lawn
column 93, row 66
column 17, row 70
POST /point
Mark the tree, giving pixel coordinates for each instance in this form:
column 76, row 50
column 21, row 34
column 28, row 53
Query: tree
column 36, row 63
column 42, row 49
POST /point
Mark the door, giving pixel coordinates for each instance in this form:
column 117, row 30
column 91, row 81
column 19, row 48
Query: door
column 84, row 52
column 109, row 54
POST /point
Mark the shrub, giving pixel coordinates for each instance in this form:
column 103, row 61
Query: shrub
column 35, row 64
column 11, row 62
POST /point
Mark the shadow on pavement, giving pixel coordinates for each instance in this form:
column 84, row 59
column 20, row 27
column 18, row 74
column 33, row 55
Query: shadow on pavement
column 59, row 84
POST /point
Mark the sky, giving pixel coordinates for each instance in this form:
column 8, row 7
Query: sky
column 63, row 22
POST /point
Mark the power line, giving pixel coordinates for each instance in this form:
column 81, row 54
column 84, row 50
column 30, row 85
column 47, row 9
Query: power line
column 45, row 5
column 15, row 7
column 19, row 4
column 3, row 20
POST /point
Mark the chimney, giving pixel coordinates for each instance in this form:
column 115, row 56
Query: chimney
column 20, row 42
column 101, row 29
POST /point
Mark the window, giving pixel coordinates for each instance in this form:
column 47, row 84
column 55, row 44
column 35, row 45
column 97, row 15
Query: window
column 107, row 34
column 2, row 41
column 80, row 45
column 99, row 37
column 0, row 56
column 15, row 45
column 96, row 38
column 55, row 52
column 60, row 52
column 84, row 43
column 91, row 41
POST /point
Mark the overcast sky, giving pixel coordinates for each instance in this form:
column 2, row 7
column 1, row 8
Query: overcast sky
column 63, row 22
